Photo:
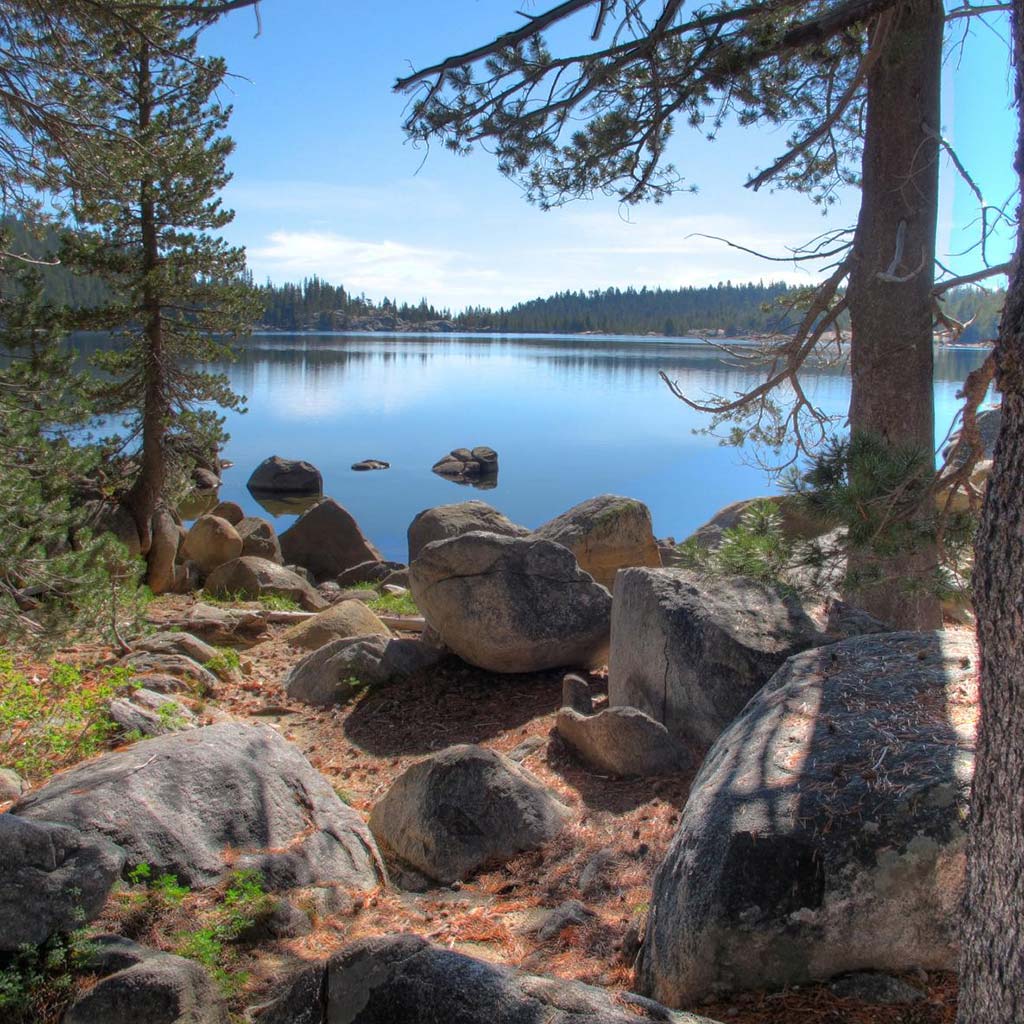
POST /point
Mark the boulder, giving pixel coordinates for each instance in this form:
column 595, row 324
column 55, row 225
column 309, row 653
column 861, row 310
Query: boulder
column 180, row 666
column 148, row 713
column 339, row 622
column 373, row 571
column 252, row 578
column 205, row 479
column 622, row 741
column 825, row 832
column 462, row 809
column 195, row 803
column 285, row 476
column 446, row 521
column 606, row 534
column 465, row 464
column 327, row 541
column 990, row 422
column 12, row 785
column 403, row 979
column 511, row 604
column 52, row 879
column 177, row 643
column 259, row 539
column 691, row 651
column 576, row 694
column 796, row 524
column 229, row 510
column 160, row 989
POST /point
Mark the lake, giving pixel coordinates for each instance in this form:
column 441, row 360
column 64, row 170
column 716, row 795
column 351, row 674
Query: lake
column 570, row 417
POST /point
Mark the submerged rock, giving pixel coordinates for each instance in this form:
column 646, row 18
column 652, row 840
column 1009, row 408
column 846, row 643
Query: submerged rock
column 286, row 476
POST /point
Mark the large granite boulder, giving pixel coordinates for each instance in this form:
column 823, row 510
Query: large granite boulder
column 691, row 652
column 285, row 476
column 338, row 670
column 622, row 741
column 184, row 802
column 511, row 604
column 252, row 578
column 444, row 521
column 259, row 539
column 462, row 809
column 339, row 622
column 825, row 832
column 796, row 524
column 210, row 542
column 606, row 534
column 403, row 979
column 52, row 879
column 327, row 541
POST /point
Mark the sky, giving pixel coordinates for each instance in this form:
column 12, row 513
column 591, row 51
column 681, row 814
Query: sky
column 326, row 183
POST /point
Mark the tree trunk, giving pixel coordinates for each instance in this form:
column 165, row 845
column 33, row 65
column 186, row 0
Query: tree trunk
column 992, row 955
column 893, row 274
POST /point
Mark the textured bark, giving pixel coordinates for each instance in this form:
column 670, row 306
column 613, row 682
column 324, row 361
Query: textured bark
column 893, row 273
column 992, row 958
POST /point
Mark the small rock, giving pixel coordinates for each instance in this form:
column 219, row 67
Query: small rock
column 622, row 741
column 569, row 913
column 210, row 542
column 529, row 746
column 592, row 877
column 342, row 621
column 259, row 539
column 12, row 785
column 576, row 694
column 372, row 571
column 177, row 643
column 281, row 920
column 880, row 989
column 367, row 464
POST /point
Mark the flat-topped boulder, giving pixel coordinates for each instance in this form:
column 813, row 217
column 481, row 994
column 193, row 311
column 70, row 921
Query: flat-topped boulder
column 511, row 604
column 286, row 476
column 445, row 521
column 327, row 540
column 251, row 578
column 606, row 533
column 825, row 832
column 690, row 651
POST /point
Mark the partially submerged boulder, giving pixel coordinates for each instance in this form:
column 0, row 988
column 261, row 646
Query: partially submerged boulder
column 462, row 809
column 464, row 464
column 444, row 521
column 690, row 652
column 210, row 542
column 252, row 578
column 825, row 832
column 339, row 622
column 622, row 741
column 286, row 476
column 606, row 533
column 511, row 604
column 327, row 541
column 182, row 803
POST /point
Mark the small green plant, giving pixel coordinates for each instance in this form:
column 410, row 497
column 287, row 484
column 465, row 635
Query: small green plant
column 278, row 603
column 364, row 585
column 394, row 604
column 224, row 662
column 37, row 982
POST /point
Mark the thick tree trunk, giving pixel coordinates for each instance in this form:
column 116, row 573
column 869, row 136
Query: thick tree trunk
column 893, row 274
column 992, row 955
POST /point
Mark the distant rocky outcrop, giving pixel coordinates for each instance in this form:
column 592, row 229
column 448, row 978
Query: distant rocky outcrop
column 285, row 476
column 444, row 521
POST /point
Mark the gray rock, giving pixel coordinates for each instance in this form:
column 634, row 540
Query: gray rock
column 259, row 539
column 369, row 464
column 177, row 643
column 52, row 879
column 463, row 464
column 690, row 652
column 337, row 671
column 990, row 422
column 282, row 920
column 400, row 577
column 405, row 657
column 12, row 785
column 373, row 571
column 569, row 913
column 445, row 521
column 511, row 604
column 108, row 954
column 303, row 573
column 327, row 541
column 463, row 808
column 622, row 741
column 825, row 832
column 210, row 542
column 594, row 876
column 576, row 694
column 229, row 510
column 285, row 476
column 182, row 802
column 403, row 979
column 606, row 534
column 160, row 989
column 880, row 989
column 146, row 664
column 150, row 713
column 521, row 751
column 845, row 620
column 252, row 578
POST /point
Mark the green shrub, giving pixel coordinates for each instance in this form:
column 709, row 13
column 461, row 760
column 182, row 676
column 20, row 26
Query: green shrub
column 37, row 982
column 224, row 662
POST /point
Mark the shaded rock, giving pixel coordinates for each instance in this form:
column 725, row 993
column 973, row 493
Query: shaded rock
column 623, row 741
column 463, row 808
column 339, row 622
column 368, row 464
column 229, row 510
column 572, row 912
column 160, row 989
column 150, row 713
column 114, row 518
column 521, row 751
column 327, row 541
column 205, row 479
column 825, row 832
column 282, row 920
column 403, row 979
column 303, row 573
column 576, row 694
column 286, row 476
column 466, row 464
column 252, row 578
column 249, row 792
column 690, row 652
column 405, row 657
column 259, row 539
column 880, row 989
column 108, row 954
column 594, row 876
column 845, row 620
column 606, row 534
column 146, row 663
column 52, row 879
column 373, row 571
column 12, row 785
column 446, row 521
column 177, row 643
column 399, row 577
column 511, row 604
column 990, row 422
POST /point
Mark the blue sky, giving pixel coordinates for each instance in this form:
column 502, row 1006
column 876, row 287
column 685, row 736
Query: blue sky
column 326, row 183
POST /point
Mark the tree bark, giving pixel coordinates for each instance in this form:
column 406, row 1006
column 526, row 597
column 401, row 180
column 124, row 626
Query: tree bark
column 992, row 954
column 891, row 281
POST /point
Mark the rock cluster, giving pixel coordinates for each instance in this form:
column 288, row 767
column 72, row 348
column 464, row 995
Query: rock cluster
column 465, row 464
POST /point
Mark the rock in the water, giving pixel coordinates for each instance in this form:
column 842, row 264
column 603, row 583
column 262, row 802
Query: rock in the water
column 12, row 785
column 511, row 604
column 52, row 879
column 259, row 539
column 463, row 808
column 403, row 979
column 464, row 464
column 690, row 652
column 205, row 479
column 252, row 578
column 622, row 741
column 446, row 521
column 825, row 832
column 606, row 534
column 183, row 802
column 212, row 541
column 159, row 989
column 368, row 464
column 339, row 622
column 149, row 713
column 327, row 541
column 286, row 476
column 229, row 510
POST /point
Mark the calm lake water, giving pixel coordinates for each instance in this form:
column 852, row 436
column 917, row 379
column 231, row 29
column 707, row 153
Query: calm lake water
column 570, row 417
